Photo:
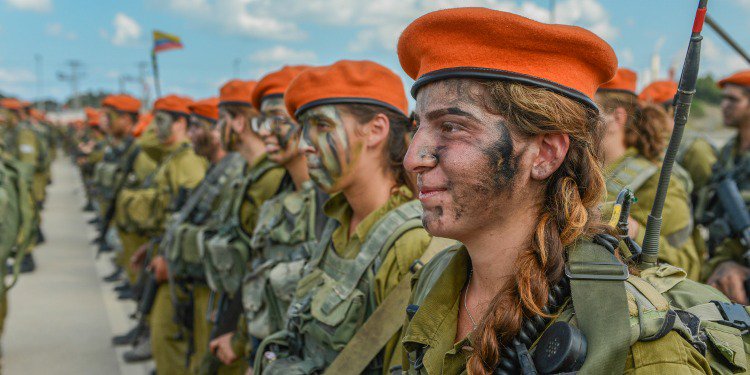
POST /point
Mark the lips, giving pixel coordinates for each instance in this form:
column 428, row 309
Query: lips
column 429, row 192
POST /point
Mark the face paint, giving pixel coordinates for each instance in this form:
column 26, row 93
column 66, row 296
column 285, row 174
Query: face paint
column 335, row 156
column 163, row 122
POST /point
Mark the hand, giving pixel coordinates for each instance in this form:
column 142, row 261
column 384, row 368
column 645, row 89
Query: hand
column 249, row 371
column 159, row 266
column 221, row 347
column 136, row 260
column 633, row 228
column 729, row 277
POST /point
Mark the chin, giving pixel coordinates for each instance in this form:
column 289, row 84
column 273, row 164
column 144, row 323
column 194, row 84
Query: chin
column 436, row 224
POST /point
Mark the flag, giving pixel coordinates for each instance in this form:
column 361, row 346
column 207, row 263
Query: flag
column 165, row 42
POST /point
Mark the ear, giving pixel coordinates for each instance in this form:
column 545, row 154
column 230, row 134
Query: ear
column 379, row 128
column 620, row 116
column 239, row 124
column 552, row 151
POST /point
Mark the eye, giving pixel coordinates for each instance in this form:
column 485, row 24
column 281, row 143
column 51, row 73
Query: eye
column 449, row 127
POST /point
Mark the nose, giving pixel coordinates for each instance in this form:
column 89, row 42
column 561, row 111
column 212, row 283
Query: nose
column 420, row 156
column 305, row 147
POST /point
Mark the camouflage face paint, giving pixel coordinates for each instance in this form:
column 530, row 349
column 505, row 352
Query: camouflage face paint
column 279, row 132
column 163, row 122
column 202, row 137
column 335, row 156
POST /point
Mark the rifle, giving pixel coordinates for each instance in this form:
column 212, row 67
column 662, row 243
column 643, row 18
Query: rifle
column 685, row 92
column 110, row 213
column 147, row 295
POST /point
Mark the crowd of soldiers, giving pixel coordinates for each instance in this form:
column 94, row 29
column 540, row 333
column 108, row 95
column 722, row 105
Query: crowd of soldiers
column 274, row 229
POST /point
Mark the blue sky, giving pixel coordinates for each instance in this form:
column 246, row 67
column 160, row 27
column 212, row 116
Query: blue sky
column 110, row 37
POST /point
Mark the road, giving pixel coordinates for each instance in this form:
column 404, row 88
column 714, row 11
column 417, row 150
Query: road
column 62, row 316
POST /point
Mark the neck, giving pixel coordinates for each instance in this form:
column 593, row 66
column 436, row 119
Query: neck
column 297, row 168
column 251, row 148
column 218, row 155
column 503, row 241
column 743, row 133
column 367, row 193
column 613, row 148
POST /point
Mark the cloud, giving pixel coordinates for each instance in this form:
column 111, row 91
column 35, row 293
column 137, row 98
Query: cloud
column 57, row 30
column 283, row 54
column 15, row 76
column 127, row 30
column 31, row 5
column 248, row 18
column 718, row 59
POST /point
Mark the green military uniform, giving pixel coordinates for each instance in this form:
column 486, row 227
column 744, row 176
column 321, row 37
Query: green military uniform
column 226, row 238
column 183, row 251
column 640, row 175
column 180, row 169
column 697, row 155
column 731, row 160
column 430, row 335
column 345, row 281
column 17, row 209
column 288, row 224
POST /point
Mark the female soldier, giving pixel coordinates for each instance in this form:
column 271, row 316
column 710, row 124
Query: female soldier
column 506, row 161
column 633, row 145
column 355, row 131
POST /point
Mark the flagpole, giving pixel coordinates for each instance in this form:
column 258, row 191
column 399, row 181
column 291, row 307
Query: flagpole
column 155, row 70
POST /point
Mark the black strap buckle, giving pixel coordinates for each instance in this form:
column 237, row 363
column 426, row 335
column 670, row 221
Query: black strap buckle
column 734, row 315
column 596, row 271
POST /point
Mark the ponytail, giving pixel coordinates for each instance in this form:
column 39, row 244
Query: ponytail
column 647, row 126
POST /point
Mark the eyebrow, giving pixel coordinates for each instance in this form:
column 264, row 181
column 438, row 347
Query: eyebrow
column 432, row 115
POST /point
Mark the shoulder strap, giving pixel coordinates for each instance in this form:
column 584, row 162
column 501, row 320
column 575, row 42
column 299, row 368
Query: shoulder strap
column 380, row 327
column 150, row 178
column 632, row 173
column 596, row 276
column 381, row 236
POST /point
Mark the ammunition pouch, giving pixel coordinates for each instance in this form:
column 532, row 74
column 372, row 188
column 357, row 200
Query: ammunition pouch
column 139, row 211
column 184, row 253
column 225, row 258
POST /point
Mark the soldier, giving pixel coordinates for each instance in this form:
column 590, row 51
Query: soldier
column 355, row 133
column 697, row 155
column 91, row 152
column 120, row 113
column 227, row 234
column 633, row 145
column 728, row 268
column 506, row 161
column 23, row 144
column 289, row 223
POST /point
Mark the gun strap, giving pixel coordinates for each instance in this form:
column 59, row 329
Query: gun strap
column 380, row 327
column 597, row 283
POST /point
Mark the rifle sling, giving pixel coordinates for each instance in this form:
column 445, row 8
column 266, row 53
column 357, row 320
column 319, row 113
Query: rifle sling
column 380, row 327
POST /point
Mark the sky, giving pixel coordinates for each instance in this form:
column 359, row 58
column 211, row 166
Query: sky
column 227, row 39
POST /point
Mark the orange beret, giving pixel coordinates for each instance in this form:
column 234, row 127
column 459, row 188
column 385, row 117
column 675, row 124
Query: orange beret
column 25, row 104
column 11, row 103
column 741, row 78
column 659, row 92
column 275, row 83
column 489, row 44
column 123, row 103
column 206, row 108
column 173, row 103
column 37, row 114
column 624, row 80
column 346, row 81
column 237, row 92
column 143, row 121
column 93, row 117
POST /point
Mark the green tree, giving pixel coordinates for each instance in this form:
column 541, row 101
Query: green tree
column 706, row 90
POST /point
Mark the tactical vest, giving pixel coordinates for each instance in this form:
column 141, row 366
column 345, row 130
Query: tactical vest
column 288, row 224
column 336, row 296
column 183, row 250
column 659, row 301
column 138, row 208
column 109, row 173
column 223, row 244
column 38, row 146
column 18, row 212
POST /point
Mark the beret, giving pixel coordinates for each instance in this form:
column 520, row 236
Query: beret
column 275, row 83
column 624, row 80
column 37, row 114
column 659, row 92
column 123, row 103
column 237, row 92
column 741, row 78
column 11, row 103
column 346, row 82
column 488, row 44
column 143, row 122
column 173, row 103
column 93, row 117
column 206, row 108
